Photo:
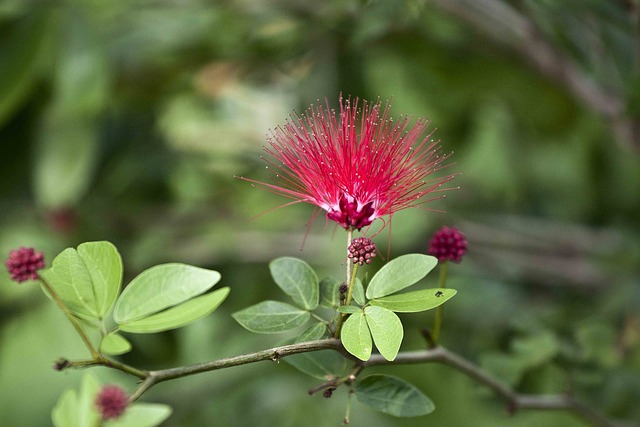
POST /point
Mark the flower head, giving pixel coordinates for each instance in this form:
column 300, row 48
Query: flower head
column 111, row 402
column 23, row 264
column 357, row 164
column 448, row 244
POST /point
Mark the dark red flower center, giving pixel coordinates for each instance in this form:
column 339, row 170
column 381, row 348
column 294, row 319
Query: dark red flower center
column 350, row 214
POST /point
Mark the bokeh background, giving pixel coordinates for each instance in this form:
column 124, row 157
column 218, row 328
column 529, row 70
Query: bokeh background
column 127, row 121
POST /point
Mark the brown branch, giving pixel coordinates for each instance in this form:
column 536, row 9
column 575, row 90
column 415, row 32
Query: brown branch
column 515, row 401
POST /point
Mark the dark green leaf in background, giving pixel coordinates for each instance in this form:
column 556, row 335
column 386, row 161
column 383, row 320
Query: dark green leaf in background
column 392, row 396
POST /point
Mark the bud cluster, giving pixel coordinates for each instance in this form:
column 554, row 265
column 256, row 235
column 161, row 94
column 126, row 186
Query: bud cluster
column 23, row 264
column 448, row 244
column 111, row 402
column 362, row 250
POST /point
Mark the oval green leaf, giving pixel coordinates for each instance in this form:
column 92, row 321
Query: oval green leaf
column 297, row 279
column 358, row 292
column 330, row 292
column 270, row 317
column 69, row 277
column 142, row 415
column 400, row 273
column 348, row 309
column 393, row 396
column 386, row 330
column 356, row 337
column 179, row 315
column 161, row 287
column 115, row 344
column 77, row 409
column 105, row 268
column 412, row 302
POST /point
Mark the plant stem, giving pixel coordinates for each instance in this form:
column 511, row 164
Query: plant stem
column 72, row 319
column 351, row 278
column 442, row 283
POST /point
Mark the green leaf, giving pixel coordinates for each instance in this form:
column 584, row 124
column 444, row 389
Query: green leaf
column 314, row 332
column 70, row 279
column 348, row 309
column 77, row 409
column 179, row 315
column 115, row 344
column 400, row 273
column 358, row 292
column 161, row 287
column 393, row 396
column 330, row 292
column 269, row 317
column 412, row 302
column 141, row 415
column 297, row 279
column 105, row 268
column 324, row 364
column 386, row 330
column 356, row 337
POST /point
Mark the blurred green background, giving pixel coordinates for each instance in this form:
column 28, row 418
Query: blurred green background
column 127, row 121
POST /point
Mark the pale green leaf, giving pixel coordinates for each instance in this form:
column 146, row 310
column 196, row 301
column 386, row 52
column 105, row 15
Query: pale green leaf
column 179, row 315
column 400, row 273
column 70, row 279
column 386, row 330
column 105, row 268
column 393, row 396
column 358, row 292
column 77, row 409
column 356, row 337
column 270, row 317
column 141, row 415
column 115, row 344
column 314, row 332
column 297, row 279
column 161, row 287
column 348, row 309
column 411, row 302
column 330, row 292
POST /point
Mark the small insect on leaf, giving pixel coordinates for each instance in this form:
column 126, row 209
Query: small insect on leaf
column 439, row 294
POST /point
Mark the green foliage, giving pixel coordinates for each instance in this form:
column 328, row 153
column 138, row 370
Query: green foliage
column 161, row 287
column 269, row 317
column 411, row 302
column 78, row 409
column 400, row 273
column 87, row 280
column 329, row 292
column 356, row 337
column 392, row 396
column 115, row 344
column 297, row 279
column 386, row 330
column 179, row 315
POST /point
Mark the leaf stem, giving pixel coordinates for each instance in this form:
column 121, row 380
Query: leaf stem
column 94, row 353
column 442, row 283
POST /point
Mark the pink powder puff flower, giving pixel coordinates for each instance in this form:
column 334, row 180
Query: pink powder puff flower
column 357, row 165
column 111, row 401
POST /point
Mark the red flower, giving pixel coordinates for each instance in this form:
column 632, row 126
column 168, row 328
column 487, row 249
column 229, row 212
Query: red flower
column 448, row 244
column 111, row 402
column 357, row 165
column 23, row 264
